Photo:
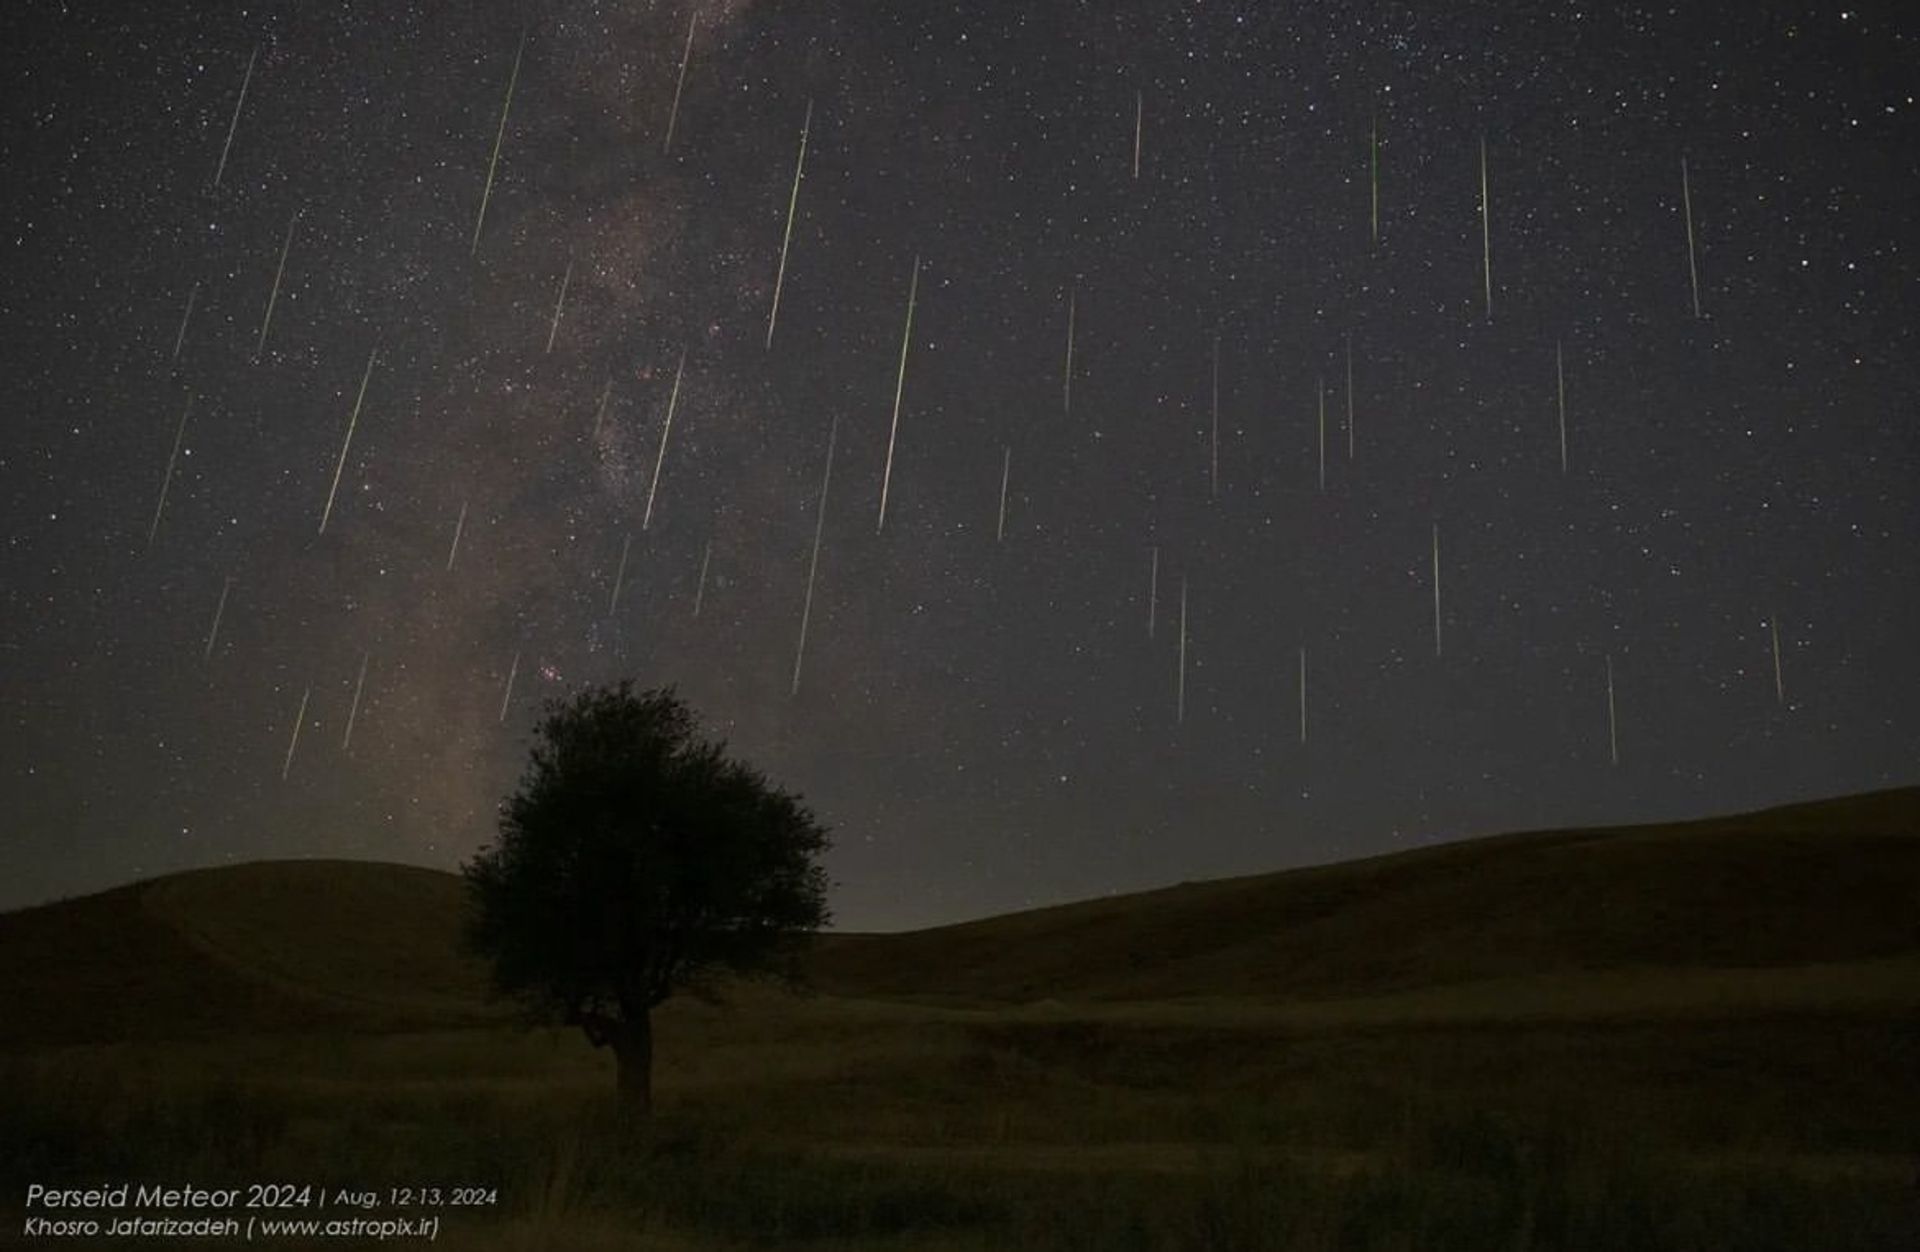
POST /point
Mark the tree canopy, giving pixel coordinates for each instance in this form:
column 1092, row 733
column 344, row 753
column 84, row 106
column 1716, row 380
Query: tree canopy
column 637, row 858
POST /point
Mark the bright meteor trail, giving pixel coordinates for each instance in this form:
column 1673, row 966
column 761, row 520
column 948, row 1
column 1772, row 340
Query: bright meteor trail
column 679, row 85
column 665, row 431
column 899, row 385
column 266, row 319
column 786, row 238
column 235, row 123
column 352, row 421
column 1686, row 200
column 493, row 162
column 167, row 480
column 813, row 563
column 1486, row 230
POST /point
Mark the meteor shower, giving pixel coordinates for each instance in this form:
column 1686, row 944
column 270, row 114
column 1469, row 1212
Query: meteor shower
column 1254, row 555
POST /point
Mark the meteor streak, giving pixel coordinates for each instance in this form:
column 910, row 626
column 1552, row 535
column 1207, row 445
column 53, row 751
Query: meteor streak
column 1373, row 173
column 1320, row 392
column 459, row 524
column 1779, row 684
column 1180, row 698
column 813, row 565
column 235, row 123
column 1560, row 383
column 286, row 766
column 266, row 319
column 559, row 303
column 1153, row 589
column 219, row 611
column 786, row 239
column 1139, row 108
column 1613, row 735
column 899, row 385
column 1486, row 236
column 1436, row 589
column 1006, row 470
column 185, row 317
column 600, row 414
column 619, row 576
column 346, row 443
column 167, row 480
column 507, row 698
column 506, row 106
column 685, row 55
column 1349, row 397
column 1303, row 695
column 1066, row 373
column 1214, row 473
column 1686, row 199
column 665, row 431
column 700, row 588
column 353, row 711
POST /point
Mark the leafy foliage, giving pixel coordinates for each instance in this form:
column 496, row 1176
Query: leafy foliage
column 636, row 858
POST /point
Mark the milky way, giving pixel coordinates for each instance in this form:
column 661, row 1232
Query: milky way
column 1610, row 313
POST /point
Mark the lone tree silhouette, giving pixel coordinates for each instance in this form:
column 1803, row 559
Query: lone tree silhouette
column 634, row 860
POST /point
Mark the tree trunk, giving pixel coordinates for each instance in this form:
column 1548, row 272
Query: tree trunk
column 633, row 1055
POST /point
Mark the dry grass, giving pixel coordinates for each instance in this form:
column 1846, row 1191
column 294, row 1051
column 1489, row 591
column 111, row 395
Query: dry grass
column 1566, row 1090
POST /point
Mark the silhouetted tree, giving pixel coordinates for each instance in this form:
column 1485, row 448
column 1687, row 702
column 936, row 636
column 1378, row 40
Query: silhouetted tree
column 636, row 859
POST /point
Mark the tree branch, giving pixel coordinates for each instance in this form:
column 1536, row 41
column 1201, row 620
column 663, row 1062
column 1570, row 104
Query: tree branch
column 600, row 1029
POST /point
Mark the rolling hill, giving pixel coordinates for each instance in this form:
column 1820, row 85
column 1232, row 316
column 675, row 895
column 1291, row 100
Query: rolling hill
column 1828, row 882
column 361, row 946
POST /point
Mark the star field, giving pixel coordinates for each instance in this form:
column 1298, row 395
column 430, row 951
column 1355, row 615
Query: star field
column 1298, row 281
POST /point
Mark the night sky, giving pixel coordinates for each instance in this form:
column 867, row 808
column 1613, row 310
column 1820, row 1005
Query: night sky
column 983, row 719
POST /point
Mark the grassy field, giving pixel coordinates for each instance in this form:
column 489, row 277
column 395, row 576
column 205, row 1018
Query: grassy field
column 1526, row 1068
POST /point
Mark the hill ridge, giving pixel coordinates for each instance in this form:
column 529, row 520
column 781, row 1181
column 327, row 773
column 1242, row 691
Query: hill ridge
column 367, row 945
